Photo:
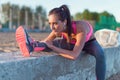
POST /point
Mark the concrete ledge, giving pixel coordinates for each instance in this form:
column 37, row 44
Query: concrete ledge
column 48, row 66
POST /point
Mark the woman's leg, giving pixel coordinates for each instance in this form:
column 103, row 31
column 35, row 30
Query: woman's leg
column 96, row 50
column 61, row 43
column 24, row 41
column 28, row 45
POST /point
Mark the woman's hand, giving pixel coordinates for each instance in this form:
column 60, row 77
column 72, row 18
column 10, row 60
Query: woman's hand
column 49, row 44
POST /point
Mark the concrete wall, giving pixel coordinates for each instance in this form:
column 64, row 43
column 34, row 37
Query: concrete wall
column 49, row 66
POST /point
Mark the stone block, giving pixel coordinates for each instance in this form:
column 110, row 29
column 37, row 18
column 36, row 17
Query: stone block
column 108, row 38
column 49, row 66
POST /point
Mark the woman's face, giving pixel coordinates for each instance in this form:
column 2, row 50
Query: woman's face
column 55, row 24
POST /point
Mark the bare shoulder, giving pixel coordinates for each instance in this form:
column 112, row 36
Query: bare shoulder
column 82, row 26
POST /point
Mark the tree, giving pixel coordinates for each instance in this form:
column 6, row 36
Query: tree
column 26, row 16
column 94, row 16
column 6, row 11
column 105, row 13
column 86, row 14
column 41, row 16
column 15, row 14
column 78, row 16
column 10, row 14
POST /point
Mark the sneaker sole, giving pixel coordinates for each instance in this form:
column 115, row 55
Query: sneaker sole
column 21, row 40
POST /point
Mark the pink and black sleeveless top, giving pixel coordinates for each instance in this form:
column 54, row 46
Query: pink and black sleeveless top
column 74, row 31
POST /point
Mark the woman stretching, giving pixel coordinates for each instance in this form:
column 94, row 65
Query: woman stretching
column 76, row 36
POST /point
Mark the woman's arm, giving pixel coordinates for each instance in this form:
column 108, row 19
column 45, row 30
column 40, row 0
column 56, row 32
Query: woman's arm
column 68, row 53
column 50, row 37
column 80, row 41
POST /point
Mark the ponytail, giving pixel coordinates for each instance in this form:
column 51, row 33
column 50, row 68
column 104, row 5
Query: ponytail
column 65, row 9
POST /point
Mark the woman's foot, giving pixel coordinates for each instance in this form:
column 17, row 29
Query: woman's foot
column 24, row 41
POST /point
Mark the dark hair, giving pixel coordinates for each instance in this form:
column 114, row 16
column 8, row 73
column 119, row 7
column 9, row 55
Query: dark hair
column 63, row 13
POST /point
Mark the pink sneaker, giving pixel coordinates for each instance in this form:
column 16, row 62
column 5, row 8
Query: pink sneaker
column 23, row 41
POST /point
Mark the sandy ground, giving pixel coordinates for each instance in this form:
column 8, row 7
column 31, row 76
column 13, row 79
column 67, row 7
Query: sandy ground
column 8, row 44
column 8, row 41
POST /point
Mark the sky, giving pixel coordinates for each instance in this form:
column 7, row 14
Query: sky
column 111, row 6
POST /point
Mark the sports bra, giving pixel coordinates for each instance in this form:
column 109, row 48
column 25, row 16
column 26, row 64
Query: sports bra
column 74, row 31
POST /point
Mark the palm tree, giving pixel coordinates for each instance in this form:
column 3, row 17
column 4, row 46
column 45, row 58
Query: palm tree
column 41, row 13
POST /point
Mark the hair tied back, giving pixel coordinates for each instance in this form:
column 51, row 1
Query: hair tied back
column 61, row 8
